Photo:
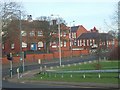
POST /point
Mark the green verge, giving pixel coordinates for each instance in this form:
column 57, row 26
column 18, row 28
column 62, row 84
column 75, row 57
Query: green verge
column 81, row 77
column 89, row 77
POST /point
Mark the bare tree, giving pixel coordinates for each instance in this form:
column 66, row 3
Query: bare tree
column 49, row 29
column 9, row 13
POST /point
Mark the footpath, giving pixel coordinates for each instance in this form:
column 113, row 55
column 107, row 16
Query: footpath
column 30, row 74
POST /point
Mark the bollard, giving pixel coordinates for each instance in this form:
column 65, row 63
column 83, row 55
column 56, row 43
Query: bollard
column 90, row 61
column 85, row 62
column 99, row 75
column 71, row 76
column 62, row 76
column 51, row 67
column 45, row 67
column 83, row 75
column 68, row 65
column 18, row 73
column 40, row 69
column 55, row 75
column 75, row 64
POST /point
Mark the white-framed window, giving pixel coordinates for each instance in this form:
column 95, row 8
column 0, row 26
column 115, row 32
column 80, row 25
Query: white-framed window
column 3, row 46
column 93, row 41
column 84, row 42
column 54, row 45
column 110, row 42
column 90, row 42
column 78, row 43
column 107, row 43
column 87, row 42
column 40, row 44
column 65, row 44
column 40, row 33
column 61, row 44
column 24, row 45
column 70, row 35
column 64, row 34
column 61, row 34
column 75, row 42
column 53, row 33
column 23, row 33
column 113, row 41
column 32, row 33
column 73, row 35
column 12, row 46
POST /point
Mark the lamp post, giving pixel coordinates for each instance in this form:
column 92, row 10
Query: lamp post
column 21, row 53
column 59, row 39
column 71, row 38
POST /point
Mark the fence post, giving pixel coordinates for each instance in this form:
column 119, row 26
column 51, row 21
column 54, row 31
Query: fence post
column 83, row 75
column 99, row 75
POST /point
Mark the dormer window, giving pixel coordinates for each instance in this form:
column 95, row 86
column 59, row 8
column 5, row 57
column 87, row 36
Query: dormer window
column 12, row 46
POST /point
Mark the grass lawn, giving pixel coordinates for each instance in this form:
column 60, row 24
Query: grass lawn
column 89, row 66
column 82, row 77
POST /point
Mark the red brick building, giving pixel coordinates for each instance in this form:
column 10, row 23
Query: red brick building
column 33, row 37
column 72, row 38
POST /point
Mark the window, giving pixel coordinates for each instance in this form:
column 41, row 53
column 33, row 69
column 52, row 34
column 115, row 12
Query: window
column 64, row 43
column 78, row 43
column 73, row 35
column 61, row 44
column 24, row 45
column 12, row 46
column 90, row 42
column 93, row 41
column 53, row 33
column 83, row 42
column 75, row 42
column 40, row 44
column 87, row 42
column 54, row 45
column 40, row 33
column 64, row 34
column 61, row 34
column 23, row 33
column 32, row 33
column 3, row 46
column 70, row 35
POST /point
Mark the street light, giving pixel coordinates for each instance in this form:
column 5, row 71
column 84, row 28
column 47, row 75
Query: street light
column 59, row 37
column 71, row 38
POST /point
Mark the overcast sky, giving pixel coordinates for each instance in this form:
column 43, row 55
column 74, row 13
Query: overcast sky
column 88, row 13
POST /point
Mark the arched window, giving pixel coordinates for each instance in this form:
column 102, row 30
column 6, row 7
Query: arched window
column 40, row 44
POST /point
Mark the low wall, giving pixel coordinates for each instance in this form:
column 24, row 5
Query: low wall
column 35, row 57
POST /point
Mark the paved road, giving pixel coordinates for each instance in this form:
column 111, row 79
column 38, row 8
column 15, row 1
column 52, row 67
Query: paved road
column 12, row 85
column 5, row 71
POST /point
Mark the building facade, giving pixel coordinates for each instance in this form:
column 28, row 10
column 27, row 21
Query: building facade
column 72, row 38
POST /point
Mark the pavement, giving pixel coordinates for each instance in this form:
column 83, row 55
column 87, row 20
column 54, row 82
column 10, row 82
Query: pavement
column 30, row 74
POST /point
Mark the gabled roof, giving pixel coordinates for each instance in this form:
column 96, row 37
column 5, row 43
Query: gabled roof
column 95, row 35
column 89, row 35
column 74, row 28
